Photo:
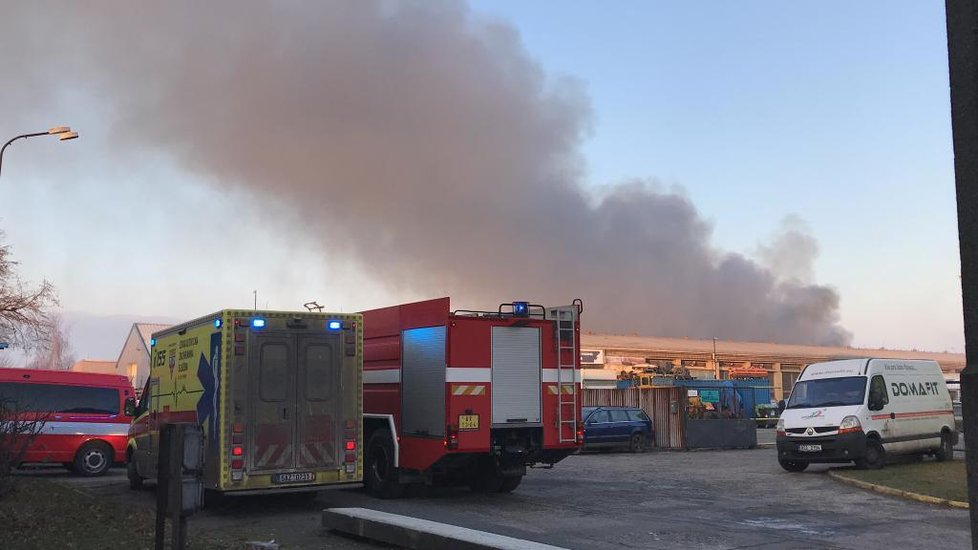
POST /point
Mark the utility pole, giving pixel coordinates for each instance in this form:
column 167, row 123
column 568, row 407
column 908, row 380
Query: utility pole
column 716, row 365
column 962, row 50
column 255, row 292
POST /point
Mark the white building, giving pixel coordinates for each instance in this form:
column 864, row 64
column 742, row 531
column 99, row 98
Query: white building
column 134, row 359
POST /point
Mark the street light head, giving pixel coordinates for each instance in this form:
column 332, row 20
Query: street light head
column 65, row 136
column 59, row 130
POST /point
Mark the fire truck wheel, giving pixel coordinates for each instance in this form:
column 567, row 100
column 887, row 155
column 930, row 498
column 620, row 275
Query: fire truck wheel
column 485, row 477
column 510, row 484
column 380, row 476
column 93, row 459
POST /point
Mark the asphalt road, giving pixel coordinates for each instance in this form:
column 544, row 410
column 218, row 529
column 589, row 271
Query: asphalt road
column 716, row 499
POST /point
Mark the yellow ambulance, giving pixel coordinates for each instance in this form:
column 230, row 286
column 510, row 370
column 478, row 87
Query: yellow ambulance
column 278, row 395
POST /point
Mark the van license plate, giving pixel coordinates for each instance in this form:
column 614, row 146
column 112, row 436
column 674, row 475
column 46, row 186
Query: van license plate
column 810, row 448
column 468, row 422
column 295, row 477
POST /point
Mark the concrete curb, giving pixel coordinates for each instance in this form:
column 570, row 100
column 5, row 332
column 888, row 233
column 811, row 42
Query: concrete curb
column 409, row 532
column 897, row 492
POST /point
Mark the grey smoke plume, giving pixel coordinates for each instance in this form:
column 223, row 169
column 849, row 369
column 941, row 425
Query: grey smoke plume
column 421, row 142
column 792, row 251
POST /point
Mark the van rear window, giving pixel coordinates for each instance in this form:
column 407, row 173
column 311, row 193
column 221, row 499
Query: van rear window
column 828, row 392
column 59, row 399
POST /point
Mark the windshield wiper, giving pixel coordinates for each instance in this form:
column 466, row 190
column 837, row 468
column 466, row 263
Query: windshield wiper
column 833, row 404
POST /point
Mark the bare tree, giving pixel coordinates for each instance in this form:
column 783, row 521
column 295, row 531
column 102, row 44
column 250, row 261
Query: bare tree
column 19, row 426
column 24, row 308
column 55, row 351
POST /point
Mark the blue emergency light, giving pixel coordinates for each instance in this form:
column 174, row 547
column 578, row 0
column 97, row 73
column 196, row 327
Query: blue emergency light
column 217, row 323
column 521, row 309
column 257, row 322
column 334, row 325
column 152, row 342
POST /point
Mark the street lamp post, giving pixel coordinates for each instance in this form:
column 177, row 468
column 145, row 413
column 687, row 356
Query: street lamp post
column 63, row 133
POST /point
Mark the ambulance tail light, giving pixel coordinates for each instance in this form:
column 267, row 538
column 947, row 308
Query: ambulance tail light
column 237, row 452
column 350, row 458
column 780, row 428
column 850, row 424
column 451, row 437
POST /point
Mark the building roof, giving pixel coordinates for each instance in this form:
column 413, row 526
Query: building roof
column 146, row 331
column 94, row 365
column 758, row 351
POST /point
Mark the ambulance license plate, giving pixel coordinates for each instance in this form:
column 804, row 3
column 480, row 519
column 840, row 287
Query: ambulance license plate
column 810, row 448
column 468, row 422
column 294, row 477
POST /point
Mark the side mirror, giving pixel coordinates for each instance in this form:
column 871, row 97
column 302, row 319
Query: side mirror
column 875, row 401
column 781, row 406
column 130, row 408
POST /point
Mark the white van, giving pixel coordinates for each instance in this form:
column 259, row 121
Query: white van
column 861, row 410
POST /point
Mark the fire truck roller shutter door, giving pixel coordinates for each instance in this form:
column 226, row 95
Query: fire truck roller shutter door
column 423, row 381
column 515, row 376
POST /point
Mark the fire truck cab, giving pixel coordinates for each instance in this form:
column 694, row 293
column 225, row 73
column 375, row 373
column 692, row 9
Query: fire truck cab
column 468, row 397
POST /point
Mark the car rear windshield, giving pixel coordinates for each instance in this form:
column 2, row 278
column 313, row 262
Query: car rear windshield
column 58, row 399
column 828, row 392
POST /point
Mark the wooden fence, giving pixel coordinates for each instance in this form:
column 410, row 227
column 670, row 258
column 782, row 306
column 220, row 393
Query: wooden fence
column 665, row 406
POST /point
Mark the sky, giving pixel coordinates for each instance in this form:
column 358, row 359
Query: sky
column 830, row 119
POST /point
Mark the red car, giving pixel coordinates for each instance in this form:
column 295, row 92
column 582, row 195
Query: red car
column 83, row 415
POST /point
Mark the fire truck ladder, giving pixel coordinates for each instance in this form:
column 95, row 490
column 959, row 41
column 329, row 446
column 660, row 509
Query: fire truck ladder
column 566, row 317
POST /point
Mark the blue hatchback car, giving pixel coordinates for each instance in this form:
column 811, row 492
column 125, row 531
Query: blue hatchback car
column 607, row 427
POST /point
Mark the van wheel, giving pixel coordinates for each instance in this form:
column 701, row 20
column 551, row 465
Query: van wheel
column 946, row 452
column 793, row 466
column 381, row 476
column 875, row 457
column 636, row 443
column 135, row 481
column 93, row 459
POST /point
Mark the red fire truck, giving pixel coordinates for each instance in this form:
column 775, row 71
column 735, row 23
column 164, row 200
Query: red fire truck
column 468, row 397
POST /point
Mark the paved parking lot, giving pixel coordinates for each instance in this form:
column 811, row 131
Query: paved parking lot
column 728, row 499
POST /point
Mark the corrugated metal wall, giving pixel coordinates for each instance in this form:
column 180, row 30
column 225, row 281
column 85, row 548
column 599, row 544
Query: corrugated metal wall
column 666, row 407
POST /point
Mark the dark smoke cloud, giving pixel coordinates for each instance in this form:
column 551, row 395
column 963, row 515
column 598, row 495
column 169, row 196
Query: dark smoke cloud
column 422, row 143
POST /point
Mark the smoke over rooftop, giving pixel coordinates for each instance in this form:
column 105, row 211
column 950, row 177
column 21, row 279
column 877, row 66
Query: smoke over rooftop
column 420, row 142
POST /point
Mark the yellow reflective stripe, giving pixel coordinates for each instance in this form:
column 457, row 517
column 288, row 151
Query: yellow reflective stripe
column 460, row 389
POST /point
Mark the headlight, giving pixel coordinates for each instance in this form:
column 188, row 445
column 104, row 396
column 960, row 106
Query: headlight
column 780, row 427
column 850, row 424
